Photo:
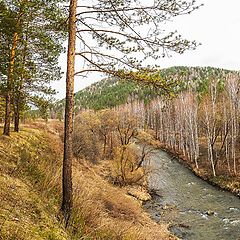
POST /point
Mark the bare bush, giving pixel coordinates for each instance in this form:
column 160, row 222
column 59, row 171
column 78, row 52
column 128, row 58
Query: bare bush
column 108, row 135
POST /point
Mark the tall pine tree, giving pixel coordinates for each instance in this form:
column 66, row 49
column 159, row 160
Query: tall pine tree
column 37, row 33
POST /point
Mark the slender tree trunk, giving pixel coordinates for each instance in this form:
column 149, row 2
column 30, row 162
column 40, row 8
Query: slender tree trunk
column 18, row 101
column 18, row 98
column 16, row 114
column 7, row 122
column 104, row 145
column 111, row 145
column 69, row 110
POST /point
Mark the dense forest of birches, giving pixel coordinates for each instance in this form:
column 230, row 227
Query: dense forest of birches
column 198, row 119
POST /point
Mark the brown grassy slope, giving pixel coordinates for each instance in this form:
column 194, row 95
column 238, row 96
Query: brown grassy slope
column 110, row 210
column 27, row 209
column 30, row 194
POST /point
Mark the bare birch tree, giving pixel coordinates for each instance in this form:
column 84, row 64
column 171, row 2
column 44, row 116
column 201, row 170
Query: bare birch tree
column 232, row 87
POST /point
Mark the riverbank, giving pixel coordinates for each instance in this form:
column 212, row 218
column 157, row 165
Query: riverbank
column 196, row 210
column 222, row 181
column 30, row 194
column 228, row 183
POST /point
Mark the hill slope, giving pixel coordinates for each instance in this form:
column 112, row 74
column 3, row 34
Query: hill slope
column 111, row 92
column 28, row 205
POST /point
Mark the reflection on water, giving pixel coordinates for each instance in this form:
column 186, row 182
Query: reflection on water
column 196, row 210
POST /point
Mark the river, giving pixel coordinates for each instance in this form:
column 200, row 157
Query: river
column 195, row 209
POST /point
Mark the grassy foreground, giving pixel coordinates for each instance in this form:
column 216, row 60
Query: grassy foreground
column 30, row 195
column 28, row 199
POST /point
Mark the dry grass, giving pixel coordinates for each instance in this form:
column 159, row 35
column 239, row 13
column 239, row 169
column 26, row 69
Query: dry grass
column 30, row 188
column 25, row 212
column 108, row 211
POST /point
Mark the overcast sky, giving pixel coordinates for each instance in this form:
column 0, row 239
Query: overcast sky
column 216, row 26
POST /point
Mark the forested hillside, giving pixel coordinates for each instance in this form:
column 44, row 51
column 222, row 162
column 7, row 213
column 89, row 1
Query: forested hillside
column 112, row 92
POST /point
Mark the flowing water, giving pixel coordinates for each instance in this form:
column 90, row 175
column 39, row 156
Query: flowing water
column 195, row 209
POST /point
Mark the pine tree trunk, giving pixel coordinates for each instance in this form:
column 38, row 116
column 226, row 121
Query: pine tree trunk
column 69, row 110
column 18, row 96
column 16, row 114
column 7, row 122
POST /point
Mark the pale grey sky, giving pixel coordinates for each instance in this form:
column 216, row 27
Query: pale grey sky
column 216, row 26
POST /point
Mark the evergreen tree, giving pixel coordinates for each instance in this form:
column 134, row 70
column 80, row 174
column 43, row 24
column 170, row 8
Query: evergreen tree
column 36, row 36
column 111, row 40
